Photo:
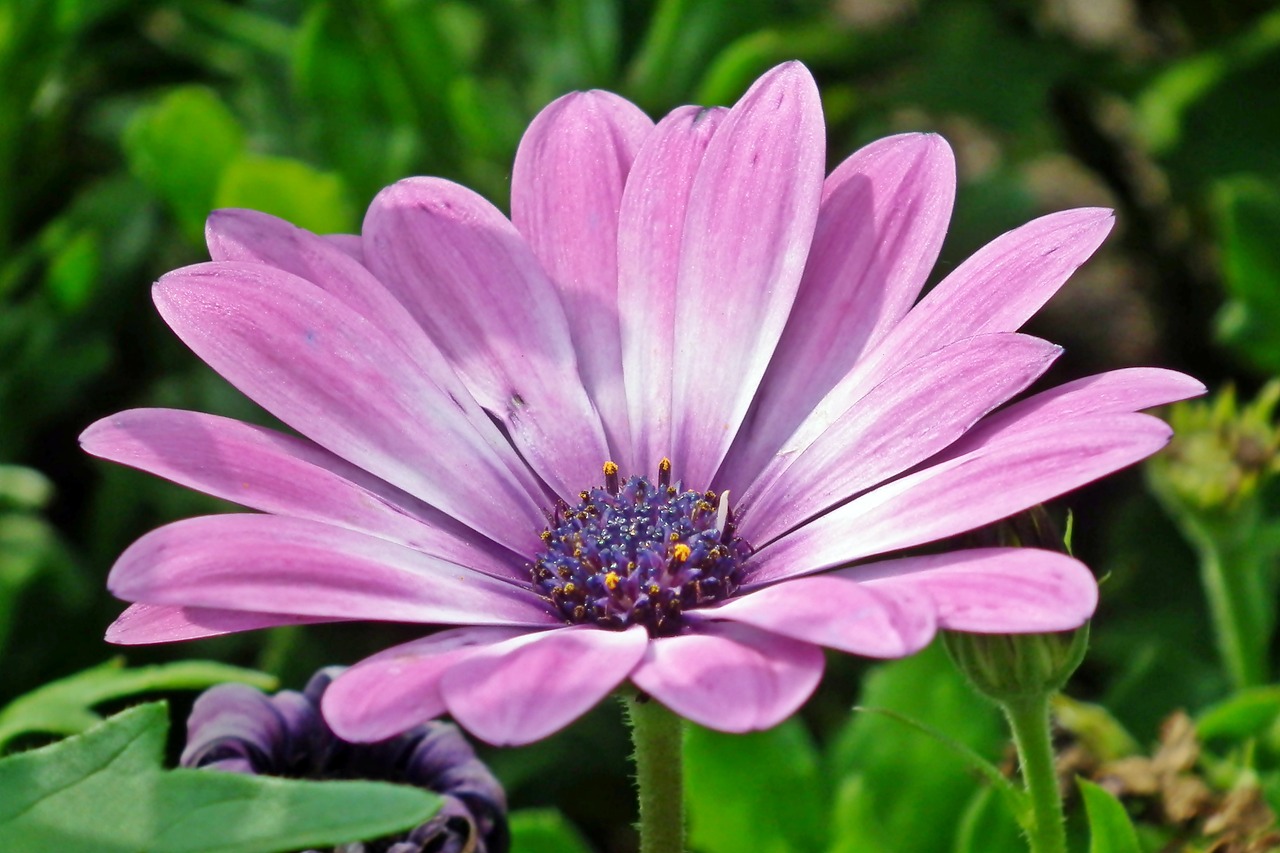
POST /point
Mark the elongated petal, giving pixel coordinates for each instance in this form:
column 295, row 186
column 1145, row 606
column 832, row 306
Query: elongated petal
column 650, row 231
column 469, row 278
column 1114, row 392
column 566, row 188
column 990, row 590
column 336, row 378
column 907, row 418
column 883, row 218
column 996, row 290
column 964, row 493
column 752, row 211
column 275, row 473
column 141, row 624
column 395, row 690
column 524, row 689
column 271, row 564
column 838, row 613
column 730, row 677
column 348, row 244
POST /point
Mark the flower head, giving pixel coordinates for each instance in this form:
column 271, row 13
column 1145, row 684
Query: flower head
column 239, row 729
column 655, row 427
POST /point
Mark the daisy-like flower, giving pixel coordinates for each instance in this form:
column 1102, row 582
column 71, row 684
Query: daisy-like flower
column 655, row 427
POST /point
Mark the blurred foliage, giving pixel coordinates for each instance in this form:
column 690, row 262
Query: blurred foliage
column 122, row 122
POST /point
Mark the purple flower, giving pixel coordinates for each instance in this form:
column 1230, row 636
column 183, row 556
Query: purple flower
column 237, row 728
column 652, row 428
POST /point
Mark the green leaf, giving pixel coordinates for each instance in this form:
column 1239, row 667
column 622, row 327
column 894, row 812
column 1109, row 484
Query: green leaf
column 987, row 827
column 179, row 148
column 290, row 189
column 1110, row 829
column 105, row 792
column 65, row 707
column 545, row 831
column 761, row 791
column 1247, row 713
column 1248, row 213
column 901, row 773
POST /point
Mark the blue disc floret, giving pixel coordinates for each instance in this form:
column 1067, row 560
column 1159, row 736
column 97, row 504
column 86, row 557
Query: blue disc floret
column 639, row 552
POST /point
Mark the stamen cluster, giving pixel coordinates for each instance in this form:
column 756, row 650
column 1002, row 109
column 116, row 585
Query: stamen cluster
column 639, row 553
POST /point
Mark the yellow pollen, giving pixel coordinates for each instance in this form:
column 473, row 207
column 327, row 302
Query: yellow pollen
column 545, row 535
column 610, row 469
column 569, row 588
column 611, row 580
column 654, row 589
column 664, row 465
column 680, row 553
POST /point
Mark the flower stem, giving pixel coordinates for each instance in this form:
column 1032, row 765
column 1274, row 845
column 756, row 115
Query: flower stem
column 658, row 738
column 1029, row 719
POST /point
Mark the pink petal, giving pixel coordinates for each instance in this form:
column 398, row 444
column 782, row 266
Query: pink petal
column 528, row 687
column 964, row 493
column 335, row 377
column 991, row 590
column 907, row 418
column 468, row 277
column 832, row 611
column 399, row 688
column 272, row 564
column 142, row 624
column 996, row 290
column 650, row 230
column 267, row 471
column 1115, row 392
column 348, row 244
column 730, row 677
column 566, row 188
column 881, row 225
column 752, row 210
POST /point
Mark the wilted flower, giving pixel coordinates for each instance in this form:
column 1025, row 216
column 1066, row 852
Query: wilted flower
column 237, row 728
column 618, row 436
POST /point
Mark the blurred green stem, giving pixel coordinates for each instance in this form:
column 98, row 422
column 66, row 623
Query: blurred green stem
column 1029, row 719
column 1236, row 573
column 658, row 738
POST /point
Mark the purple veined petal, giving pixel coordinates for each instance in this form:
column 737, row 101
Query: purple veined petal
column 469, row 279
column 528, row 687
column 991, row 590
column 332, row 375
column 234, row 715
column 650, row 229
column 265, row 470
column 963, row 493
column 399, row 688
column 566, row 188
column 831, row 611
column 729, row 676
column 349, row 244
column 1115, row 392
column 912, row 415
column 996, row 290
column 272, row 564
column 143, row 624
column 883, row 218
column 750, row 219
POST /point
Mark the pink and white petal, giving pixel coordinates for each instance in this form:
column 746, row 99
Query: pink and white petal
column 996, row 290
column 729, row 676
column 265, row 470
column 272, row 564
column 751, row 215
column 142, row 624
column 883, row 218
column 469, row 279
column 991, row 590
column 964, row 493
column 399, row 688
column 566, row 188
column 528, row 687
column 831, row 611
column 912, row 415
column 650, row 229
column 335, row 377
column 1115, row 392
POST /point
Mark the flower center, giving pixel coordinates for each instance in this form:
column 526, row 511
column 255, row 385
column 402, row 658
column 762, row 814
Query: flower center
column 639, row 553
